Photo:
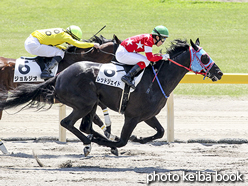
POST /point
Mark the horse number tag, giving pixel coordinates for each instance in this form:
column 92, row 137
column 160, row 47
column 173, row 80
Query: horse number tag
column 27, row 70
column 108, row 75
column 111, row 74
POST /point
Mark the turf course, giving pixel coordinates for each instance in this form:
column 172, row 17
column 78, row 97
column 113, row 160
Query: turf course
column 221, row 26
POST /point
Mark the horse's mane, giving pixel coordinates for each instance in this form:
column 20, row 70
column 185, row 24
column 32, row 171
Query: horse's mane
column 177, row 46
column 94, row 39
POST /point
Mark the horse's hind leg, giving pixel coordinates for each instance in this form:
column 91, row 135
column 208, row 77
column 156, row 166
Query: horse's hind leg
column 2, row 99
column 154, row 123
column 69, row 123
column 1, row 112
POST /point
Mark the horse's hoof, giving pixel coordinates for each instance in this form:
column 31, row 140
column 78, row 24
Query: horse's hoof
column 90, row 136
column 108, row 129
column 113, row 137
column 107, row 134
column 114, row 151
column 3, row 148
column 87, row 150
column 133, row 138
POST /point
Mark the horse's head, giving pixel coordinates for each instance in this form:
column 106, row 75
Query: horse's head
column 201, row 62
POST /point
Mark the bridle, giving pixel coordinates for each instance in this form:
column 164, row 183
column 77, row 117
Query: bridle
column 196, row 64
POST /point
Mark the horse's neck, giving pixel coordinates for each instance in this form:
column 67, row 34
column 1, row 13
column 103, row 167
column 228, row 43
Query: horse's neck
column 171, row 74
column 105, row 55
column 69, row 59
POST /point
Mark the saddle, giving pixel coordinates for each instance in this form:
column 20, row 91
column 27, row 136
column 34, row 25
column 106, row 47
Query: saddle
column 110, row 74
column 41, row 61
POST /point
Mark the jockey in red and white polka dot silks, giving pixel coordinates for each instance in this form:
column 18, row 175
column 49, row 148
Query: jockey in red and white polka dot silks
column 128, row 51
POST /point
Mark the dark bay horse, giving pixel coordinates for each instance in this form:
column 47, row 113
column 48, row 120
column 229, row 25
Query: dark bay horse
column 76, row 87
column 104, row 55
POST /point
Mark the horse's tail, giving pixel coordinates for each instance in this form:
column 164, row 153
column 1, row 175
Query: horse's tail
column 35, row 94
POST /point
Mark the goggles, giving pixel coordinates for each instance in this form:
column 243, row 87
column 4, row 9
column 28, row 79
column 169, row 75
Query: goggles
column 162, row 39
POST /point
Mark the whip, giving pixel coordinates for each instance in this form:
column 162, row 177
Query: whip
column 98, row 32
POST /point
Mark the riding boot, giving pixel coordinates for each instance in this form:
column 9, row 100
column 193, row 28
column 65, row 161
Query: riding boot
column 129, row 76
column 46, row 73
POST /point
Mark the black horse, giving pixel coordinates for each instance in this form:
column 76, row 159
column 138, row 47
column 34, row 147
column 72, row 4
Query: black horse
column 76, row 87
column 105, row 54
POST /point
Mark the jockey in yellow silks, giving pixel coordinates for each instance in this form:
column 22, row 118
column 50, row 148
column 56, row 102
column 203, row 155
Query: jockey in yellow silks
column 52, row 43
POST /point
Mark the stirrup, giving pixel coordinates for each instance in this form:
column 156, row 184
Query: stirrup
column 46, row 75
column 129, row 83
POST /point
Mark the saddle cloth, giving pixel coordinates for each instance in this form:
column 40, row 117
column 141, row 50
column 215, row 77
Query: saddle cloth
column 110, row 74
column 28, row 70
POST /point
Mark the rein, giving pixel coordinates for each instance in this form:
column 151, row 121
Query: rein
column 156, row 77
column 107, row 52
column 192, row 59
column 195, row 63
column 161, row 88
column 80, row 52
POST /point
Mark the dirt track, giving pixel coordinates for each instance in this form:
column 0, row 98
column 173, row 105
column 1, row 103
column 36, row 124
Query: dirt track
column 64, row 164
column 195, row 118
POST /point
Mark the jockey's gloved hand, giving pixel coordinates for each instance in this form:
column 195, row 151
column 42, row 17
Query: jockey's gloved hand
column 96, row 45
column 166, row 56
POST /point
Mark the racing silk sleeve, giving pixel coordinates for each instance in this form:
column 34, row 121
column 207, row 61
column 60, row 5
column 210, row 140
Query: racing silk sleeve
column 141, row 43
column 63, row 46
column 56, row 37
column 150, row 56
column 68, row 39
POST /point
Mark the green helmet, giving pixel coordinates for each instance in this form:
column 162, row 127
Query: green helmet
column 160, row 31
column 75, row 32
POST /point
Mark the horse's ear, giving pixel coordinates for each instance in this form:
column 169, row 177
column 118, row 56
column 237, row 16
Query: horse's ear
column 193, row 45
column 116, row 39
column 197, row 42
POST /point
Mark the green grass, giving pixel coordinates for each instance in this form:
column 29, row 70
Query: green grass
column 221, row 26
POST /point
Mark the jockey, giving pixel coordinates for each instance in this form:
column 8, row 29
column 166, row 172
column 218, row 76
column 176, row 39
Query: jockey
column 52, row 43
column 128, row 51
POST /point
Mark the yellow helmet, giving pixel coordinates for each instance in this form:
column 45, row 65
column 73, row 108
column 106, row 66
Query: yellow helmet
column 75, row 32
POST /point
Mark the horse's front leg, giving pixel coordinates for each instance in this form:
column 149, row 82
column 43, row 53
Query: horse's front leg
column 127, row 129
column 107, row 126
column 154, row 123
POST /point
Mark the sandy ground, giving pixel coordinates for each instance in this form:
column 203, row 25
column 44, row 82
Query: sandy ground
column 196, row 118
